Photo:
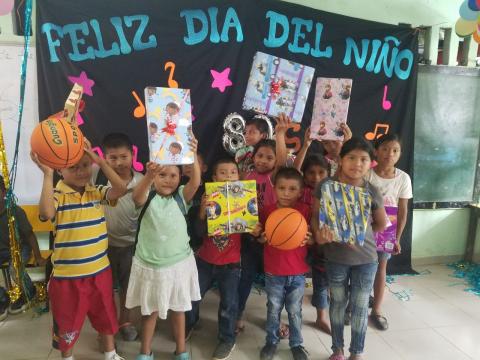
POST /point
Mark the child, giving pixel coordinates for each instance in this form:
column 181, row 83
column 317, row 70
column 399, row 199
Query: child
column 218, row 260
column 268, row 157
column 256, row 129
column 27, row 242
column 353, row 263
column 396, row 188
column 81, row 282
column 285, row 269
column 121, row 222
column 164, row 276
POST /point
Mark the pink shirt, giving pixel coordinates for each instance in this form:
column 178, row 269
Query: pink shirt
column 265, row 192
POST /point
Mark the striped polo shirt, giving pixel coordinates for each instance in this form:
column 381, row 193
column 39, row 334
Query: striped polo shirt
column 80, row 246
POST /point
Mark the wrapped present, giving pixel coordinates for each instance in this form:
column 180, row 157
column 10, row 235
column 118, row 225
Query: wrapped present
column 387, row 239
column 277, row 85
column 345, row 209
column 231, row 207
column 169, row 125
column 330, row 109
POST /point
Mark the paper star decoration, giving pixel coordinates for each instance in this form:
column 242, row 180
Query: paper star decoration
column 84, row 81
column 220, row 79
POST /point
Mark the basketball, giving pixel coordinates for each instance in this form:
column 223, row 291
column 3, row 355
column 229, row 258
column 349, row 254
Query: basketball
column 286, row 229
column 57, row 143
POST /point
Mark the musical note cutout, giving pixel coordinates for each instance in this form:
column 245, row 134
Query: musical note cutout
column 171, row 65
column 80, row 120
column 138, row 166
column 377, row 132
column 139, row 111
column 386, row 104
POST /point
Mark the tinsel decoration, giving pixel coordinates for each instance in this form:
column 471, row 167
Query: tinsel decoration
column 470, row 272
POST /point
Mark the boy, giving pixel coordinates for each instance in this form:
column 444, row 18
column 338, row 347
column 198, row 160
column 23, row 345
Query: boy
column 285, row 269
column 218, row 259
column 256, row 129
column 81, row 282
column 28, row 242
column 121, row 222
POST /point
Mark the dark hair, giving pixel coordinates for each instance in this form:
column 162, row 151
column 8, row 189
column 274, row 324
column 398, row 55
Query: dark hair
column 315, row 160
column 117, row 140
column 259, row 123
column 265, row 143
column 175, row 145
column 153, row 125
column 173, row 105
column 223, row 160
column 289, row 174
column 387, row 138
column 356, row 143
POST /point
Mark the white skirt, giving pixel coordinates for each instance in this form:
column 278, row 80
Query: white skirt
column 162, row 289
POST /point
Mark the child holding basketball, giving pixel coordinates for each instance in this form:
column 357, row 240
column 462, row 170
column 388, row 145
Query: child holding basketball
column 396, row 188
column 164, row 278
column 354, row 263
column 218, row 260
column 81, row 282
column 268, row 157
column 285, row 269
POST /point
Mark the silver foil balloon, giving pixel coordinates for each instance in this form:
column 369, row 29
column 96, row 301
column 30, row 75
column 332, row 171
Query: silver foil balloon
column 234, row 127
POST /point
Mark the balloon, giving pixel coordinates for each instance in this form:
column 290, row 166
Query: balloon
column 6, row 7
column 464, row 27
column 466, row 11
column 233, row 139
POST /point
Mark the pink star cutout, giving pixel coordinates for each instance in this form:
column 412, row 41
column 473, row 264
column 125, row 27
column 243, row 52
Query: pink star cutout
column 220, row 79
column 84, row 81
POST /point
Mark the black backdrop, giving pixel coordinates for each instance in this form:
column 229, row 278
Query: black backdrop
column 63, row 25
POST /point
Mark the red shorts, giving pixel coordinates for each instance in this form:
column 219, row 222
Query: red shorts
column 72, row 300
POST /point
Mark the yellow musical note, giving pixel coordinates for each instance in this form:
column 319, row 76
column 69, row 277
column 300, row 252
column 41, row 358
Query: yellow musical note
column 378, row 127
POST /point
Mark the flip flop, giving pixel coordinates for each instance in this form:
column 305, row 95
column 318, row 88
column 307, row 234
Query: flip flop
column 379, row 321
column 239, row 329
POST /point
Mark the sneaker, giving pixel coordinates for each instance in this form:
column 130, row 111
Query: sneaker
column 128, row 332
column 144, row 357
column 181, row 356
column 299, row 353
column 117, row 357
column 18, row 306
column 268, row 351
column 223, row 350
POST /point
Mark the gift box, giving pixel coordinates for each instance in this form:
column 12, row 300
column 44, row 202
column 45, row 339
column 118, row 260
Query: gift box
column 169, row 125
column 387, row 239
column 277, row 85
column 231, row 207
column 345, row 209
column 330, row 108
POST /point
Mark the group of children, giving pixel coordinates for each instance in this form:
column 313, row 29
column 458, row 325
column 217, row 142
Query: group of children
column 141, row 229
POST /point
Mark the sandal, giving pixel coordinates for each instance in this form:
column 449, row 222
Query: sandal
column 284, row 331
column 379, row 321
column 239, row 329
column 336, row 357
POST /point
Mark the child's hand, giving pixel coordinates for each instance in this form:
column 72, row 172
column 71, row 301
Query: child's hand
column 193, row 143
column 152, row 170
column 262, row 239
column 307, row 141
column 257, row 230
column 283, row 122
column 308, row 239
column 44, row 168
column 40, row 261
column 88, row 150
column 347, row 133
column 202, row 212
column 324, row 235
column 397, row 249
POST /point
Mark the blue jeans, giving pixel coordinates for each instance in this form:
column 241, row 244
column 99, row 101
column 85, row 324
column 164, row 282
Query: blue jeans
column 252, row 265
column 25, row 252
column 361, row 279
column 320, row 289
column 284, row 291
column 227, row 278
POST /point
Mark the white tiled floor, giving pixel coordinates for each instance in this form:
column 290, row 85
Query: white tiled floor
column 439, row 321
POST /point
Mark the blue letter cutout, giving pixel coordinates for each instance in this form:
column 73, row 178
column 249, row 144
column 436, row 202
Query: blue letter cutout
column 231, row 20
column 52, row 44
column 72, row 29
column 298, row 34
column 276, row 19
column 193, row 37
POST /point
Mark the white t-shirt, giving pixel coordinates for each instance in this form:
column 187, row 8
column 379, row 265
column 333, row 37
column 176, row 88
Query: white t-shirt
column 122, row 219
column 400, row 187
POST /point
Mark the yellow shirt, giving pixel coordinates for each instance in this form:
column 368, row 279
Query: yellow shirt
column 80, row 246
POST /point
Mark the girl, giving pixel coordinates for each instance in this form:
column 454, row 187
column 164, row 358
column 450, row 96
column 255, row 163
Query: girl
column 353, row 263
column 268, row 157
column 164, row 278
column 396, row 188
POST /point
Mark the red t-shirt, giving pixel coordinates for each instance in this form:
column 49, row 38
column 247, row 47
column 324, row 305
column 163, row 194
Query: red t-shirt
column 307, row 196
column 285, row 262
column 221, row 249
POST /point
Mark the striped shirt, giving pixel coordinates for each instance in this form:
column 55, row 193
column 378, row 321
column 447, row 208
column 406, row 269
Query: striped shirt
column 80, row 246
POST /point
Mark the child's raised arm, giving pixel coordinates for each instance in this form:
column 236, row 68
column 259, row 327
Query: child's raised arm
column 46, row 205
column 297, row 164
column 118, row 188
column 283, row 121
column 141, row 190
column 193, row 183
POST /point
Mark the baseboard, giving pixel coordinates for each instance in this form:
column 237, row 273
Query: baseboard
column 432, row 260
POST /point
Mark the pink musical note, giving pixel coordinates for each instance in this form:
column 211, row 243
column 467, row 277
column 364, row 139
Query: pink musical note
column 386, row 104
column 98, row 151
column 79, row 119
column 138, row 166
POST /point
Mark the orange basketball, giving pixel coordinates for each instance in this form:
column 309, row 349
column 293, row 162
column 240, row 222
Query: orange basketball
column 57, row 143
column 286, row 229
